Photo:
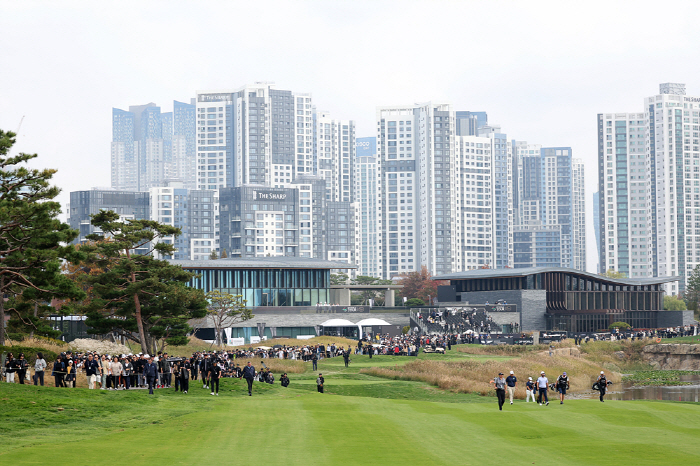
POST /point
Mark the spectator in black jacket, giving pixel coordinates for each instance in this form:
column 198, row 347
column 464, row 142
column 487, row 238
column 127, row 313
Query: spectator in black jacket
column 21, row 365
column 150, row 371
column 284, row 380
column 249, row 375
column 59, row 371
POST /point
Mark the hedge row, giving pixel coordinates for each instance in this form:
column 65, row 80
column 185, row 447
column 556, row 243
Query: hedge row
column 29, row 353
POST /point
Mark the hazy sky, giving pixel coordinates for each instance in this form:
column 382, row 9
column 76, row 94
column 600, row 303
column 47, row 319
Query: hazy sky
column 542, row 70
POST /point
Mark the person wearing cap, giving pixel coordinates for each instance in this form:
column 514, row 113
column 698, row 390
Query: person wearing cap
column 500, row 384
column 562, row 386
column 92, row 368
column 511, row 383
column 530, row 390
column 602, row 384
column 284, row 380
column 319, row 383
column 127, row 371
column 542, row 385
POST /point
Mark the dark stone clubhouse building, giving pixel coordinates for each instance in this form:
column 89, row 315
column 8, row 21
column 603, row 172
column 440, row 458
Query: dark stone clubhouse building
column 554, row 298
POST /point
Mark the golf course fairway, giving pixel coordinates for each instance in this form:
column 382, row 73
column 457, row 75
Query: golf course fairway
column 298, row 426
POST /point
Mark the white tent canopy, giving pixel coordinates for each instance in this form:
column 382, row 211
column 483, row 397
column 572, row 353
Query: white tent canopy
column 338, row 323
column 372, row 322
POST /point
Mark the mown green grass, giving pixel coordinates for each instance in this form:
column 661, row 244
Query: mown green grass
column 360, row 419
column 690, row 339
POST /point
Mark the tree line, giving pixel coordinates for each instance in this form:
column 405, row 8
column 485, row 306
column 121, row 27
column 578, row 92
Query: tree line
column 118, row 279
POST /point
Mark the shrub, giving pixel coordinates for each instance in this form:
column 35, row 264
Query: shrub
column 415, row 302
column 29, row 353
column 619, row 325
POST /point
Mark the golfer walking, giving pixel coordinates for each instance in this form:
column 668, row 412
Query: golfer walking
column 602, row 385
column 511, row 383
column 542, row 385
column 500, row 384
column 562, row 386
column 530, row 390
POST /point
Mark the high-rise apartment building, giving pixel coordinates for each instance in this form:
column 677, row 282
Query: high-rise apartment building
column 503, row 195
column 334, row 155
column 368, row 249
column 415, row 147
column 649, row 184
column 624, row 186
column 84, row 204
column 254, row 135
column 474, row 195
column 578, row 231
column 184, row 149
column 468, row 123
column 596, row 226
column 145, row 149
column 168, row 205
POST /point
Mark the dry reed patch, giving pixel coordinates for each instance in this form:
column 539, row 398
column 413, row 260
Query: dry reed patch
column 475, row 376
column 55, row 346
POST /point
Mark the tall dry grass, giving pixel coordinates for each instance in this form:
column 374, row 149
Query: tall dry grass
column 50, row 344
column 475, row 376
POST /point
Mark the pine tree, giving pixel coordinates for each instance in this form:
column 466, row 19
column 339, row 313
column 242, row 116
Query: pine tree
column 32, row 243
column 143, row 297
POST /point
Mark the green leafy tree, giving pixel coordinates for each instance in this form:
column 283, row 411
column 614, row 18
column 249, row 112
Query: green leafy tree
column 32, row 244
column 223, row 254
column 371, row 294
column 226, row 309
column 619, row 326
column 213, row 256
column 692, row 290
column 673, row 303
column 612, row 273
column 143, row 297
column 339, row 279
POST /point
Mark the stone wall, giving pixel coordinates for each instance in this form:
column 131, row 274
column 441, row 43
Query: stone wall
column 681, row 357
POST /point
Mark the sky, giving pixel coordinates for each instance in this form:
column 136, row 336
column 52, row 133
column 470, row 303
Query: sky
column 542, row 70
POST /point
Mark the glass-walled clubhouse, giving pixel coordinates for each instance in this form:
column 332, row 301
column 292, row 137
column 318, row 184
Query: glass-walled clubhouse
column 555, row 298
column 265, row 281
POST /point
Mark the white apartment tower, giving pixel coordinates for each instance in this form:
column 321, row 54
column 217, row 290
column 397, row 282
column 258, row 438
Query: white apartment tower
column 503, row 195
column 649, row 181
column 368, row 241
column 415, row 147
column 475, row 202
column 334, row 155
column 578, row 232
column 254, row 135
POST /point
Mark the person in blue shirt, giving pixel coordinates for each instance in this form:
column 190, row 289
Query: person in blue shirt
column 530, row 390
column 511, row 382
column 150, row 371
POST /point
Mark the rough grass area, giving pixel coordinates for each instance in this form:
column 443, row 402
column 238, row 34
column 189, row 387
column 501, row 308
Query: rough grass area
column 620, row 355
column 474, row 376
